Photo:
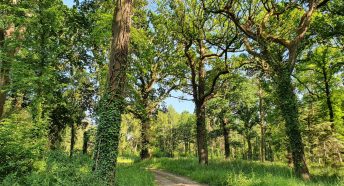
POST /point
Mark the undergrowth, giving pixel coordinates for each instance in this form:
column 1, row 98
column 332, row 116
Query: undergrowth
column 58, row 169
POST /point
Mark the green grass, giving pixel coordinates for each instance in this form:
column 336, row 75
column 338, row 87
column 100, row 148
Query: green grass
column 243, row 173
column 58, row 169
column 133, row 174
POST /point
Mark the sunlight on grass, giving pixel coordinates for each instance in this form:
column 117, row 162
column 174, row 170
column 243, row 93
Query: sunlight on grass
column 124, row 160
column 243, row 173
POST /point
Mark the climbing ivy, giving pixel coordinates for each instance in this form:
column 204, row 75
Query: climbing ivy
column 109, row 123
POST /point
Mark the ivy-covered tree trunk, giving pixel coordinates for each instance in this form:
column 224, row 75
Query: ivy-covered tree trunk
column 225, row 131
column 202, row 146
column 144, row 154
column 72, row 139
column 112, row 103
column 287, row 102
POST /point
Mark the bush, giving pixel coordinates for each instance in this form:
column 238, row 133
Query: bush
column 21, row 143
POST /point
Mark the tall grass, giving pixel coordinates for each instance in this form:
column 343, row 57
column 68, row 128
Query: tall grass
column 241, row 173
column 58, row 169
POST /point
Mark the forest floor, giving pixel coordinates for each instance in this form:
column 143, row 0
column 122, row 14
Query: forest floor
column 163, row 178
column 57, row 168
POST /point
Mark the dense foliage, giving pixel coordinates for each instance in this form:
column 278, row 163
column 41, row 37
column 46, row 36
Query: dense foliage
column 82, row 86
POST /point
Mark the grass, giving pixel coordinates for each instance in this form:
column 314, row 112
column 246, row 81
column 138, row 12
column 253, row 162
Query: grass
column 58, row 169
column 243, row 173
column 133, row 174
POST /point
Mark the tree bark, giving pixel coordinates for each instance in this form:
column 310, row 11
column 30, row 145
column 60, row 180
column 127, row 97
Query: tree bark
column 202, row 146
column 85, row 142
column 112, row 103
column 288, row 105
column 72, row 139
column 226, row 137
column 144, row 154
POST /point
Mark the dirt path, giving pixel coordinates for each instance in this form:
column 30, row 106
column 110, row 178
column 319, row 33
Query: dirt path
column 163, row 178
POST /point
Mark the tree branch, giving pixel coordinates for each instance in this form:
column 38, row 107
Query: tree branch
column 303, row 84
column 207, row 94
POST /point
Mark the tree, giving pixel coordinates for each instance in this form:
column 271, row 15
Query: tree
column 165, row 131
column 219, row 110
column 185, row 131
column 8, row 46
column 112, row 103
column 276, row 44
column 198, row 35
column 154, row 74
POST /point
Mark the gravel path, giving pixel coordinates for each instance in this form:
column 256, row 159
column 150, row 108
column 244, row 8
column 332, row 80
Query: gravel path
column 163, row 178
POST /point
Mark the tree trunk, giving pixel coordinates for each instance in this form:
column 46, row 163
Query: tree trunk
column 202, row 146
column 328, row 96
column 225, row 137
column 288, row 105
column 249, row 150
column 86, row 138
column 3, row 75
column 262, row 125
column 112, row 103
column 72, row 139
column 144, row 154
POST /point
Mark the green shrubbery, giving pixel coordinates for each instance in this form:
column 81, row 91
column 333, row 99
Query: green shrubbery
column 21, row 144
column 57, row 168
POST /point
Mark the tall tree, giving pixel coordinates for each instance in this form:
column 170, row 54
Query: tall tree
column 112, row 103
column 7, row 30
column 155, row 71
column 200, row 36
column 277, row 45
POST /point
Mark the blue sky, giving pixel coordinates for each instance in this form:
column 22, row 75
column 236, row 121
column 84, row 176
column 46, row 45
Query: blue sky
column 179, row 105
column 68, row 2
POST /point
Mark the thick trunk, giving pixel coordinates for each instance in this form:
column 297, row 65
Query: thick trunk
column 288, row 104
column 72, row 139
column 202, row 146
column 112, row 103
column 225, row 137
column 144, row 154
